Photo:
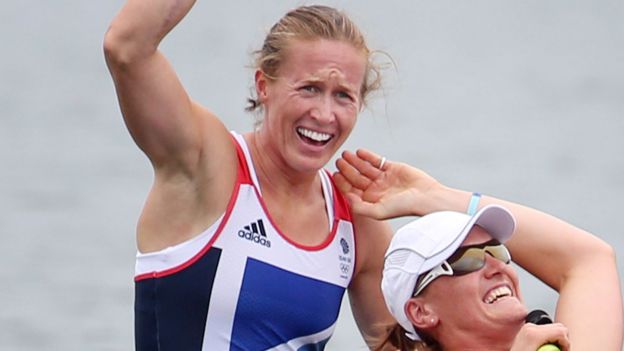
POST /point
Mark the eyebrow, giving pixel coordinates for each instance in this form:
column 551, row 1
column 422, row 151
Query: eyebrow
column 341, row 82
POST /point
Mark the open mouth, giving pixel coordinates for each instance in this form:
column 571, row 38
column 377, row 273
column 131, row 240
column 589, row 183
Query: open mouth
column 497, row 293
column 313, row 137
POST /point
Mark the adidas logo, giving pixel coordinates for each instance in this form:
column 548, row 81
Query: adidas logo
column 255, row 232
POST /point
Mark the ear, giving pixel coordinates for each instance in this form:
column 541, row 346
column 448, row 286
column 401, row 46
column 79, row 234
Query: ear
column 421, row 314
column 261, row 85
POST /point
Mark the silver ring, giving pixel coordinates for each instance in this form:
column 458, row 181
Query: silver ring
column 382, row 163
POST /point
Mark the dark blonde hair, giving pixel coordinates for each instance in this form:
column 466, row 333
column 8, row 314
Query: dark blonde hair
column 311, row 23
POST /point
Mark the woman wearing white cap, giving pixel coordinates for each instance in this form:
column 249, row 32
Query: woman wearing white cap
column 577, row 264
column 437, row 302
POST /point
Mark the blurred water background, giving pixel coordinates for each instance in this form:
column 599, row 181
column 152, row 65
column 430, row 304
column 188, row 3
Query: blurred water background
column 519, row 99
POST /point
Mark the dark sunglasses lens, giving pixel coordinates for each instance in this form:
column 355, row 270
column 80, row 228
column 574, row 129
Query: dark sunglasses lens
column 499, row 252
column 473, row 258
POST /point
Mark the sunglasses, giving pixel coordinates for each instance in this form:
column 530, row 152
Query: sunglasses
column 466, row 259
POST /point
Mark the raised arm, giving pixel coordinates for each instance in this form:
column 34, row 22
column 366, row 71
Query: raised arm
column 161, row 117
column 190, row 149
column 580, row 266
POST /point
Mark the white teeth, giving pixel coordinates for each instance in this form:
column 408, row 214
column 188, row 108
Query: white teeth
column 316, row 136
column 497, row 293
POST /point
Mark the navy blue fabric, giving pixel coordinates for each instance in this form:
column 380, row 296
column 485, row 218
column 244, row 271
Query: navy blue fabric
column 314, row 347
column 170, row 312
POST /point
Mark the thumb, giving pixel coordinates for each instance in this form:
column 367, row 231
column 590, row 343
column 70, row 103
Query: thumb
column 363, row 208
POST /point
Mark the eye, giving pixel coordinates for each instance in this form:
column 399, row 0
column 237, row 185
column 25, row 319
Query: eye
column 344, row 95
column 310, row 88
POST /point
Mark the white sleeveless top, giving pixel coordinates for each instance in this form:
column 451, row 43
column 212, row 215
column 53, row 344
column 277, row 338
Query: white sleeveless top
column 242, row 284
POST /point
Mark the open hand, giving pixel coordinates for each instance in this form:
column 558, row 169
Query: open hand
column 396, row 189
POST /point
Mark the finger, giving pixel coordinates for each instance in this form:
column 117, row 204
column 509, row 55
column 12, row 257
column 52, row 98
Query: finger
column 561, row 336
column 365, row 162
column 352, row 175
column 377, row 162
column 344, row 186
column 369, row 156
column 341, row 183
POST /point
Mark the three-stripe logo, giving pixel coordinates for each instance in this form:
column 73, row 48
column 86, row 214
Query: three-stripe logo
column 255, row 232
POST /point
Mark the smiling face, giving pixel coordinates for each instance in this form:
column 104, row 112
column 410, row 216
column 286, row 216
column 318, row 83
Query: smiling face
column 485, row 304
column 311, row 106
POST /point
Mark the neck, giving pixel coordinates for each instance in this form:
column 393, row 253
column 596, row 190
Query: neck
column 462, row 340
column 274, row 174
column 475, row 345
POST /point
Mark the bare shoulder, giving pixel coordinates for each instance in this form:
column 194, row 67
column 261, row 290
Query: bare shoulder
column 190, row 193
column 372, row 238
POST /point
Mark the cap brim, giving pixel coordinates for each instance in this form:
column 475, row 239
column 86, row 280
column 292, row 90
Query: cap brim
column 497, row 221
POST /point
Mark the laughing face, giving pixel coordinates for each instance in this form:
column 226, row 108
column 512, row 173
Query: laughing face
column 485, row 303
column 311, row 106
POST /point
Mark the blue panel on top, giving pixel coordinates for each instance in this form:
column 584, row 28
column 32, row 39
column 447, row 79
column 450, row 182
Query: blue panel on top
column 276, row 306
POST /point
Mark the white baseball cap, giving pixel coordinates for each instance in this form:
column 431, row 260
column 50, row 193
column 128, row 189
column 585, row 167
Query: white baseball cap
column 424, row 243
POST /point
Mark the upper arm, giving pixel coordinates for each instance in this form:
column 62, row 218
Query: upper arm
column 550, row 248
column 581, row 267
column 161, row 117
column 367, row 302
column 158, row 112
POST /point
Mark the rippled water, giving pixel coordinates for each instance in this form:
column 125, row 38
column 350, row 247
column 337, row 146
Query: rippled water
column 523, row 100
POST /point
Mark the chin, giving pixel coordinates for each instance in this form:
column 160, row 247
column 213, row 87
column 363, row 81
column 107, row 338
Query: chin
column 509, row 310
column 312, row 162
column 516, row 316
column 308, row 165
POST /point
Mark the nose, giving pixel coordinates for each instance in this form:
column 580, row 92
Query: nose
column 493, row 266
column 323, row 110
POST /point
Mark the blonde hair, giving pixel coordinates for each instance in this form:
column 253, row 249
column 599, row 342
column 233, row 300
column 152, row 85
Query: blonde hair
column 311, row 23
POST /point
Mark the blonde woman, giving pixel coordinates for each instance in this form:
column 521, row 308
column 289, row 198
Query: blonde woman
column 244, row 242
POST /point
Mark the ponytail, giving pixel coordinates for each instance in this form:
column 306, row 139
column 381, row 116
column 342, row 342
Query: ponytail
column 396, row 339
